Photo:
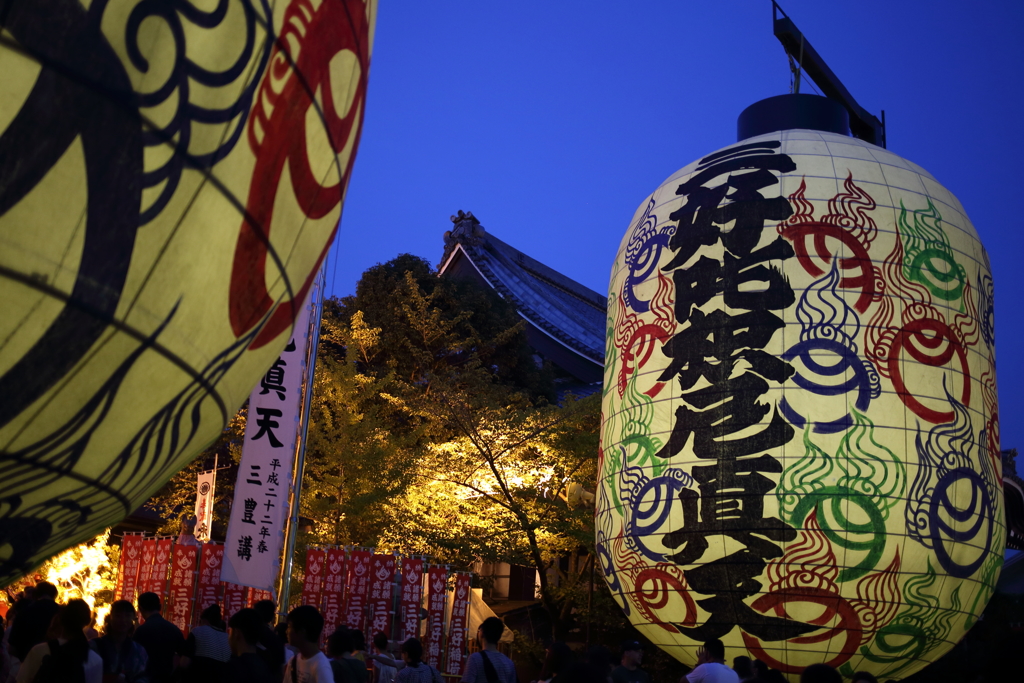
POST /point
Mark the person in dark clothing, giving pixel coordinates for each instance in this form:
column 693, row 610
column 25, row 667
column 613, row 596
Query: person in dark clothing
column 30, row 628
column 206, row 652
column 121, row 655
column 65, row 657
column 271, row 645
column 629, row 670
column 820, row 673
column 346, row 667
column 161, row 639
column 247, row 666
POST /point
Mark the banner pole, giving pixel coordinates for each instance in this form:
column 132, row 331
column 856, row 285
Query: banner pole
column 313, row 335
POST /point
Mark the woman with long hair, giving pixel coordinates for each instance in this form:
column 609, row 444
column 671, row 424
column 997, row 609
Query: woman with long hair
column 67, row 658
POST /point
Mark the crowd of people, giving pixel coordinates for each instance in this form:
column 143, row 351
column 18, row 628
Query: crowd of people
column 48, row 642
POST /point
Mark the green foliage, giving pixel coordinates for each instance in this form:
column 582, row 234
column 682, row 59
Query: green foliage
column 176, row 501
column 433, row 431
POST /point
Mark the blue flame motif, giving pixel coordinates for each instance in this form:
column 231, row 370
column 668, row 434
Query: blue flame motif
column 946, row 467
column 648, row 502
column 643, row 253
column 829, row 327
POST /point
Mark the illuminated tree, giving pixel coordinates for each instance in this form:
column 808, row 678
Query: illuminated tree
column 432, row 432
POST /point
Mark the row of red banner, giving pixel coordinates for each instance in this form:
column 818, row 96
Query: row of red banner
column 186, row 578
column 352, row 587
column 359, row 589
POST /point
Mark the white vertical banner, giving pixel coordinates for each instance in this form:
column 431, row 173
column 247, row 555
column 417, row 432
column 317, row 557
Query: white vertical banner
column 259, row 509
column 205, row 485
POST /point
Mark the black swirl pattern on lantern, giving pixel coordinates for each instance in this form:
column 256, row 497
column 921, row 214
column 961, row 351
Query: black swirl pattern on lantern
column 177, row 132
column 82, row 92
column 986, row 309
column 95, row 501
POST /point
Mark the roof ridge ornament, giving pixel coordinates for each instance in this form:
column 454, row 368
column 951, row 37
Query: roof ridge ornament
column 467, row 231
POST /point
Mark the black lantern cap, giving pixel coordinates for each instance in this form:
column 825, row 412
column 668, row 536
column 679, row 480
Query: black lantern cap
column 789, row 112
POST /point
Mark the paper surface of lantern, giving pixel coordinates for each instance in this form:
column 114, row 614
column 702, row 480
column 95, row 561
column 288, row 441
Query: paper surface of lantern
column 800, row 441
column 171, row 176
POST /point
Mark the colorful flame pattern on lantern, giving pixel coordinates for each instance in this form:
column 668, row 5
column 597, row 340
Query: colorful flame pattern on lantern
column 800, row 440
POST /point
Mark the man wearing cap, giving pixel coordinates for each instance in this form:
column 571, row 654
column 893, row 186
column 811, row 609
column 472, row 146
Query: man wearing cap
column 711, row 667
column 629, row 671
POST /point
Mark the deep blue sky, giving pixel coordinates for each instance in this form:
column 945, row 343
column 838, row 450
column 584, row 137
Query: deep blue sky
column 551, row 121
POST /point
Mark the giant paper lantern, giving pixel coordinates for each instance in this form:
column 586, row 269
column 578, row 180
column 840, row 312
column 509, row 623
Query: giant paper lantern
column 171, row 176
column 800, row 441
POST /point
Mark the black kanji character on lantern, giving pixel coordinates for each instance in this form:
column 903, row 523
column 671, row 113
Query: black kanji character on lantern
column 245, row 548
column 722, row 353
column 267, row 425
column 274, row 380
column 250, row 507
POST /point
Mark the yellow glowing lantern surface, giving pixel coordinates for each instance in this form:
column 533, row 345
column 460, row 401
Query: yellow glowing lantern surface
column 800, row 441
column 171, row 176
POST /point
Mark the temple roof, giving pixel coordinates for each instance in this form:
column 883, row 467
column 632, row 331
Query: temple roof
column 566, row 320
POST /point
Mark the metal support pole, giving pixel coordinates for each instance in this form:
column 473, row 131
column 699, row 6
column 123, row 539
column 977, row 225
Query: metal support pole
column 295, row 497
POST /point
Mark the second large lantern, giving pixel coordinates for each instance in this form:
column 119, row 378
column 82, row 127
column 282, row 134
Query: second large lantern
column 800, row 441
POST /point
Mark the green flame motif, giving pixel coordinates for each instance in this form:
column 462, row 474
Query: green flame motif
column 635, row 443
column 925, row 243
column 917, row 630
column 635, row 438
column 864, row 474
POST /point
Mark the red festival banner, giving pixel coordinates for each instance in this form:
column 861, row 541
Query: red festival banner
column 334, row 582
column 457, row 626
column 411, row 597
column 358, row 587
column 208, row 590
column 161, row 563
column 382, row 580
column 437, row 596
column 257, row 594
column 313, row 584
column 183, row 567
column 131, row 560
column 234, row 599
column 145, row 575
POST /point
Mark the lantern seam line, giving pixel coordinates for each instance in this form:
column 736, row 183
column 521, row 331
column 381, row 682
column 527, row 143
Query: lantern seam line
column 122, row 327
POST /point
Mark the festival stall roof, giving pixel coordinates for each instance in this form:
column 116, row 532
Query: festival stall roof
column 566, row 320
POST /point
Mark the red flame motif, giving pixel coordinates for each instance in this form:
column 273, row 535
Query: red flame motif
column 878, row 597
column 807, row 574
column 848, row 223
column 636, row 339
column 299, row 69
column 654, row 587
column 924, row 335
column 988, row 394
column 808, row 563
